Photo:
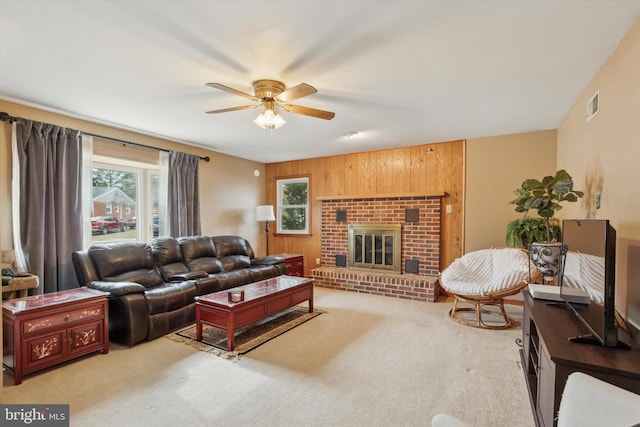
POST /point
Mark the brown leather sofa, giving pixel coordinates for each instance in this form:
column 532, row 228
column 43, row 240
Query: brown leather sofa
column 152, row 286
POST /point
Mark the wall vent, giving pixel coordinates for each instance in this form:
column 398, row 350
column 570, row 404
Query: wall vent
column 593, row 106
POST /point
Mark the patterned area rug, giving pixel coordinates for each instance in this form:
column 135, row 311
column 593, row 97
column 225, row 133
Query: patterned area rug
column 214, row 340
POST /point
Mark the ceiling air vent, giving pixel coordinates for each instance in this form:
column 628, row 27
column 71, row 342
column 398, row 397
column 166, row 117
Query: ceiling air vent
column 593, row 106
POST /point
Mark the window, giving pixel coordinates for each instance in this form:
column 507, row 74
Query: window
column 124, row 191
column 293, row 205
column 114, row 186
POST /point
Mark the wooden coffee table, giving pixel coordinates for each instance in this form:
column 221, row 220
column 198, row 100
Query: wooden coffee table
column 261, row 299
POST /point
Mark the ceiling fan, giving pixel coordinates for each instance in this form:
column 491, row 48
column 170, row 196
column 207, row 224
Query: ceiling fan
column 273, row 95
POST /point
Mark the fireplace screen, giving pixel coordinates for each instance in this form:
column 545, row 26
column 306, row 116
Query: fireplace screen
column 375, row 246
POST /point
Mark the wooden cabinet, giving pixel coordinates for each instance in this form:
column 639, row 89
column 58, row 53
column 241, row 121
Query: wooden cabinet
column 295, row 264
column 45, row 330
column 548, row 358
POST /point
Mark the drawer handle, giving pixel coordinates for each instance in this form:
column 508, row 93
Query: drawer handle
column 66, row 317
column 69, row 341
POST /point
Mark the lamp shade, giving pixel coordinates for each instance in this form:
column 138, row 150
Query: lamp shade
column 269, row 119
column 265, row 213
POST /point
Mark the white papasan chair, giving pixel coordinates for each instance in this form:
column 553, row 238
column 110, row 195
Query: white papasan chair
column 483, row 278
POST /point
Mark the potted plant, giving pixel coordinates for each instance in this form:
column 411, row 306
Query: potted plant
column 546, row 197
column 522, row 231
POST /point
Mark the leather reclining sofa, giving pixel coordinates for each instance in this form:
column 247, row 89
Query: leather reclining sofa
column 152, row 286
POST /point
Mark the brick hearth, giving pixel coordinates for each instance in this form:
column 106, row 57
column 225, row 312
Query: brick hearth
column 409, row 286
column 420, row 243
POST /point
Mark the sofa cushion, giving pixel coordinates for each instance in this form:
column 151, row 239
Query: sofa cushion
column 231, row 279
column 199, row 254
column 125, row 262
column 235, row 262
column 193, row 247
column 257, row 273
column 170, row 296
column 267, row 260
column 230, row 245
column 208, row 264
column 168, row 257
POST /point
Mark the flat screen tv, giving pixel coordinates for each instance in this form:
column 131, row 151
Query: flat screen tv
column 590, row 264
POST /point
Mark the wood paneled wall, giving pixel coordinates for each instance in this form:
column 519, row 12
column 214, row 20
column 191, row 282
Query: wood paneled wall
column 427, row 169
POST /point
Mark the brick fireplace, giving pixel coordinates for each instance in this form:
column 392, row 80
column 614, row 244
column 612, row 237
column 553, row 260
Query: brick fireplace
column 419, row 218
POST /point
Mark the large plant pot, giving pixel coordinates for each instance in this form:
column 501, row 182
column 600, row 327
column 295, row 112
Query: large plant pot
column 548, row 258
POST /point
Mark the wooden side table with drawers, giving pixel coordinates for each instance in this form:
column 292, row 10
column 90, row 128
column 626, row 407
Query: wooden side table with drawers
column 41, row 331
column 295, row 264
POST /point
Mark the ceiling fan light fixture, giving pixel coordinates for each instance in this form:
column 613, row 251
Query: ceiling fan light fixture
column 273, row 95
column 269, row 119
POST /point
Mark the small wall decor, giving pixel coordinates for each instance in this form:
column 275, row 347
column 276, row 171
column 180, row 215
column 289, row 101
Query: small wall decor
column 412, row 215
column 341, row 260
column 411, row 266
column 341, row 215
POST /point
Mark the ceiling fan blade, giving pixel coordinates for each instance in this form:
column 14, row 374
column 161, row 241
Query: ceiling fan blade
column 231, row 90
column 320, row 114
column 226, row 110
column 296, row 92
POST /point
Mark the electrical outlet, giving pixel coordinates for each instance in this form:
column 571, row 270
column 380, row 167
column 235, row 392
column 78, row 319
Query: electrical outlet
column 448, row 208
column 317, row 261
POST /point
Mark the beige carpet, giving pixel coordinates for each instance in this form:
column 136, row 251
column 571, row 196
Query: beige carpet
column 214, row 340
column 369, row 361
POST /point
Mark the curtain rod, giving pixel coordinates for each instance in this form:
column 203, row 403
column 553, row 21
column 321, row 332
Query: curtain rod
column 5, row 117
column 135, row 144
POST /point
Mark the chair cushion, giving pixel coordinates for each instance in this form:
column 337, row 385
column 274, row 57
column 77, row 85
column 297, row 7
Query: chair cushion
column 589, row 401
column 486, row 271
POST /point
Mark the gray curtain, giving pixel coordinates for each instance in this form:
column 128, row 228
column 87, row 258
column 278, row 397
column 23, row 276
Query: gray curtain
column 184, row 195
column 50, row 160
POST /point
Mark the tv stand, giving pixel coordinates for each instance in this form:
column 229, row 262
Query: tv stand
column 548, row 357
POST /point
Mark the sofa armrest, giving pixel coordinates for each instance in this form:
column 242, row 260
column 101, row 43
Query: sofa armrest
column 117, row 289
column 188, row 276
column 267, row 260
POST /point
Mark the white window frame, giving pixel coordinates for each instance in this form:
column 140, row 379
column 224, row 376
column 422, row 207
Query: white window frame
column 280, row 182
column 108, row 209
column 144, row 230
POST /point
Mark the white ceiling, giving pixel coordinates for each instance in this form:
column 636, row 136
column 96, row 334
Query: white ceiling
column 398, row 72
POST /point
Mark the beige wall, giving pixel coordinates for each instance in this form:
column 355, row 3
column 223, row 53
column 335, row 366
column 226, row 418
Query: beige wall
column 606, row 150
column 495, row 167
column 229, row 191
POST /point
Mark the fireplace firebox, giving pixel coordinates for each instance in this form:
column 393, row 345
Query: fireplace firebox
column 375, row 247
